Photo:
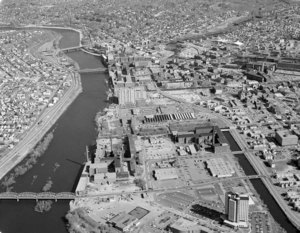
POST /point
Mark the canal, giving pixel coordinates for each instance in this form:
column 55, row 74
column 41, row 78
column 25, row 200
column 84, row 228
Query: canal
column 232, row 143
column 65, row 155
column 260, row 188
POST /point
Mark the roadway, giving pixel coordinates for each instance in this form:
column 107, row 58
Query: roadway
column 50, row 195
column 256, row 163
column 261, row 169
column 94, row 54
column 42, row 124
column 72, row 48
column 181, row 188
column 39, row 128
column 100, row 69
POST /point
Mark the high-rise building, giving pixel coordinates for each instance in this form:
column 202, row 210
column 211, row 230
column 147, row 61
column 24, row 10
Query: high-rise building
column 237, row 208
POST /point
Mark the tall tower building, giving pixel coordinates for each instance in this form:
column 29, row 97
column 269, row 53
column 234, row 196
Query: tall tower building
column 237, row 208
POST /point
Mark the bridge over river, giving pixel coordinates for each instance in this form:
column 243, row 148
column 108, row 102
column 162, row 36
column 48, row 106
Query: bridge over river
column 100, row 69
column 38, row 196
column 72, row 49
column 84, row 48
column 72, row 196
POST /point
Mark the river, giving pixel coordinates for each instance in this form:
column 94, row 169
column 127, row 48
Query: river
column 73, row 131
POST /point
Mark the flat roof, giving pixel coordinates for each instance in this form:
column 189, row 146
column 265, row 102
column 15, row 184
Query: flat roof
column 166, row 174
column 82, row 183
column 221, row 137
column 285, row 134
column 139, row 212
column 188, row 125
column 98, row 165
column 218, row 167
column 131, row 144
column 122, row 220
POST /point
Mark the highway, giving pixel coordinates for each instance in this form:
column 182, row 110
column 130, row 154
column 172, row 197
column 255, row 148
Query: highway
column 44, row 122
column 40, row 127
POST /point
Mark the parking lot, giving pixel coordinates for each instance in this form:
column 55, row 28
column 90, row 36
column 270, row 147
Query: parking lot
column 260, row 222
column 192, row 169
column 176, row 200
column 159, row 148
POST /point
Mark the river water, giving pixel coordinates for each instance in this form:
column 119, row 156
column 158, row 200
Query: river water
column 260, row 188
column 73, row 131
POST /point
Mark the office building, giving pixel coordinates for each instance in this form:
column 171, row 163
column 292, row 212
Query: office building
column 236, row 209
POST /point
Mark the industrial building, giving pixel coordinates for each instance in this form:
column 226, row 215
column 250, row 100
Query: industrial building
column 257, row 76
column 105, row 178
column 130, row 95
column 95, row 168
column 165, row 174
column 219, row 168
column 284, row 138
column 191, row 133
column 139, row 212
column 123, row 221
column 168, row 117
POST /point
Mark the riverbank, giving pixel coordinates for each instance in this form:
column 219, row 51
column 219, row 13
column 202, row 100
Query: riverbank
column 41, row 126
column 31, row 159
column 56, row 27
column 62, row 161
column 91, row 53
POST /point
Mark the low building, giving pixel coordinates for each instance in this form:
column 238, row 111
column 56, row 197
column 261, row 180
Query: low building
column 105, row 178
column 257, row 76
column 129, row 95
column 284, row 138
column 96, row 168
column 219, row 168
column 218, row 90
column 82, row 183
column 123, row 221
column 192, row 133
column 165, row 174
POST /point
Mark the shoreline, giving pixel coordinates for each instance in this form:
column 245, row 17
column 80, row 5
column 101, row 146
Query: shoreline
column 42, row 125
column 91, row 53
column 55, row 27
column 64, row 107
